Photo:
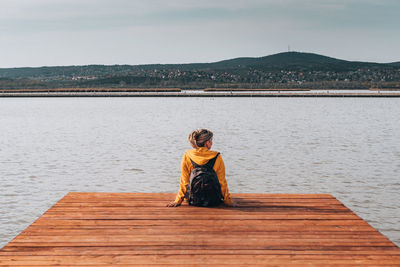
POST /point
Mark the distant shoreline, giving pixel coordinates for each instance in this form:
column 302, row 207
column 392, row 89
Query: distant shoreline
column 200, row 94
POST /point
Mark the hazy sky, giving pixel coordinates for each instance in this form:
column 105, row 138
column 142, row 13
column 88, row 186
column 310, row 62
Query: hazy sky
column 80, row 32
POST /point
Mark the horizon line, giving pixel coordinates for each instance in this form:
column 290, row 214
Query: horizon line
column 188, row 63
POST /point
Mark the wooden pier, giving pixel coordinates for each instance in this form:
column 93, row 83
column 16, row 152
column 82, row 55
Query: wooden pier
column 136, row 229
column 281, row 93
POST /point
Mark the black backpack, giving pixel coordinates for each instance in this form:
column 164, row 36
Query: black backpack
column 204, row 187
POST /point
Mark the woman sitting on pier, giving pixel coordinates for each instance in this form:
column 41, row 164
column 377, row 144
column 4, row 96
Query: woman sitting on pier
column 205, row 171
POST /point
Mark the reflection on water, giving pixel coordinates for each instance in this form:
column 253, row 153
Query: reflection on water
column 345, row 147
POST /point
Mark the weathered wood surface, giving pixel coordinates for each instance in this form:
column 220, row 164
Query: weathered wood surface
column 136, row 229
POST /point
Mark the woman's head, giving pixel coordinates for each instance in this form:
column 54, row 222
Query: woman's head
column 200, row 137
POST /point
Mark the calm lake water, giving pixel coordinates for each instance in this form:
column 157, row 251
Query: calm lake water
column 347, row 147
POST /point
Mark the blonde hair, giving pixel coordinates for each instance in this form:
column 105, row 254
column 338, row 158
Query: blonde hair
column 199, row 137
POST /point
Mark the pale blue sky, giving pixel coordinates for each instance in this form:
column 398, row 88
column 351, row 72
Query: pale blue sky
column 72, row 32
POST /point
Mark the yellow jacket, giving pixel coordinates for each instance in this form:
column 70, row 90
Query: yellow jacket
column 201, row 156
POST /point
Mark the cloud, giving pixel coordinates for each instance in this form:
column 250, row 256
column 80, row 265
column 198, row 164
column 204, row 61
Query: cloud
column 78, row 14
column 50, row 15
column 132, row 31
column 31, row 9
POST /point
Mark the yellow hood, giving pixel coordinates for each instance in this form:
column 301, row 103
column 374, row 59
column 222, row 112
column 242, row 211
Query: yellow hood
column 201, row 155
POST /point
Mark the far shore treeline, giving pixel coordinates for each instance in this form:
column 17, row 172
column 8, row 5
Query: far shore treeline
column 283, row 70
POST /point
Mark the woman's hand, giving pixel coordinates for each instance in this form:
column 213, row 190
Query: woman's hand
column 232, row 204
column 173, row 204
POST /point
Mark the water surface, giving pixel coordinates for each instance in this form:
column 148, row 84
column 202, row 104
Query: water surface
column 347, row 147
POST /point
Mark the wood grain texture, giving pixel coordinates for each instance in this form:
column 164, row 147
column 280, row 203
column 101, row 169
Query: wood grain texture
column 136, row 229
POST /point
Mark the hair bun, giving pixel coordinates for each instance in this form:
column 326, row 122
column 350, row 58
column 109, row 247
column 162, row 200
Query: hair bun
column 199, row 137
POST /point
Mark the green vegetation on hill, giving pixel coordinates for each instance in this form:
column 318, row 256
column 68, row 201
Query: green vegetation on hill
column 283, row 70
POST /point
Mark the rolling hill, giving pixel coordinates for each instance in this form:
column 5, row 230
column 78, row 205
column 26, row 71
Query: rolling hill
column 293, row 69
column 281, row 61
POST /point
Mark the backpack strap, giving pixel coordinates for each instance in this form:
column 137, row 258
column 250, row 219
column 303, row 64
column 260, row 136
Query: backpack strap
column 195, row 165
column 211, row 162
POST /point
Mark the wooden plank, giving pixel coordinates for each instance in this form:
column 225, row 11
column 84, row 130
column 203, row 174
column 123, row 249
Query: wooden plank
column 270, row 216
column 133, row 250
column 250, row 196
column 249, row 222
column 213, row 237
column 124, row 235
column 153, row 228
column 202, row 259
column 272, row 245
column 183, row 265
column 244, row 207
column 239, row 200
column 187, row 223
column 103, row 229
